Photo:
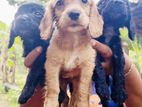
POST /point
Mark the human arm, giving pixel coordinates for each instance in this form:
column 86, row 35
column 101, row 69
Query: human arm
column 133, row 81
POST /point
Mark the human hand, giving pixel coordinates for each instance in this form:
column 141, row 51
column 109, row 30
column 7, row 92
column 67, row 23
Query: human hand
column 103, row 49
column 31, row 57
column 106, row 53
column 133, row 80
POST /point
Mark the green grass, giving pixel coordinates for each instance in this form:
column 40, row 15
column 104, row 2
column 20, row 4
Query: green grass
column 11, row 97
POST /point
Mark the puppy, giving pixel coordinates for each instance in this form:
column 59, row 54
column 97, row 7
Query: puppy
column 116, row 14
column 75, row 23
column 26, row 25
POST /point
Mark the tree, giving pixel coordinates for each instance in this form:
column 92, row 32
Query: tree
column 10, row 59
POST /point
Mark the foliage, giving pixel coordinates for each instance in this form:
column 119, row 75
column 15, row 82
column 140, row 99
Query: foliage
column 135, row 52
column 134, row 48
column 15, row 51
column 12, row 96
column 12, row 2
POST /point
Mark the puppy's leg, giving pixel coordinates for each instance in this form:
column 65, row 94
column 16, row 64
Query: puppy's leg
column 63, row 93
column 73, row 102
column 32, row 81
column 52, row 83
column 84, row 85
column 118, row 88
column 74, row 91
column 101, row 86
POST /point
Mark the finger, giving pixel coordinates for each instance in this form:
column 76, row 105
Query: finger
column 104, row 50
column 31, row 57
column 128, row 63
column 107, row 65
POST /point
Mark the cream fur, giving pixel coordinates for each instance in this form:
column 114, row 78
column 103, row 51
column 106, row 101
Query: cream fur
column 70, row 50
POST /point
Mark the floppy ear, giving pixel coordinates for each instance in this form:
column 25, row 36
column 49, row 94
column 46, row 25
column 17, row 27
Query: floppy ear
column 131, row 29
column 46, row 24
column 130, row 24
column 12, row 36
column 96, row 22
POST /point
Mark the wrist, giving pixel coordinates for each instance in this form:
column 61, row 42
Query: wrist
column 128, row 65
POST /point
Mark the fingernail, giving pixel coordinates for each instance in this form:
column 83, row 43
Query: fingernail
column 39, row 49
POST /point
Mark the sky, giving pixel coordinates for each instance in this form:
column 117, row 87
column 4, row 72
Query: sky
column 6, row 12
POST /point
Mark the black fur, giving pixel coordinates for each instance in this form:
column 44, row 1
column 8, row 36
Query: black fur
column 26, row 25
column 116, row 14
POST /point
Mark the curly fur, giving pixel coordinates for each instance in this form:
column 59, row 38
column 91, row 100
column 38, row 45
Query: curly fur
column 26, row 25
column 116, row 14
column 70, row 49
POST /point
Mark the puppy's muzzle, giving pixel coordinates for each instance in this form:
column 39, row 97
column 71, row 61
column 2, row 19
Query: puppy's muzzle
column 73, row 15
column 22, row 18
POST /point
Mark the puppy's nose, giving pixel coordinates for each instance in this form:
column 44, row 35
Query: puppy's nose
column 74, row 15
column 23, row 18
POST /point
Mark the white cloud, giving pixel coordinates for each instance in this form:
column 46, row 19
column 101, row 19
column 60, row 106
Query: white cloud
column 6, row 12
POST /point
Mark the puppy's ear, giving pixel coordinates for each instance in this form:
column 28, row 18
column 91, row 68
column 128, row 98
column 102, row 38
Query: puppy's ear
column 46, row 24
column 12, row 36
column 96, row 22
column 130, row 23
column 131, row 29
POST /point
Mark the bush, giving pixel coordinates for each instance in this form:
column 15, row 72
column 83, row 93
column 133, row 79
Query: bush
column 134, row 48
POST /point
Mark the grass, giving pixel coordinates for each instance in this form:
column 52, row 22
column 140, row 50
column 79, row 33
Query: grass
column 11, row 97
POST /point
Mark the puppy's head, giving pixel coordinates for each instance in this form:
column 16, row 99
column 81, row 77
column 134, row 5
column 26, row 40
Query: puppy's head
column 115, row 10
column 71, row 16
column 26, row 22
column 117, row 13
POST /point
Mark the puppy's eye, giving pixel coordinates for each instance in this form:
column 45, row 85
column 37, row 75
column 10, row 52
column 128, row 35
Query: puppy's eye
column 85, row 1
column 38, row 14
column 59, row 3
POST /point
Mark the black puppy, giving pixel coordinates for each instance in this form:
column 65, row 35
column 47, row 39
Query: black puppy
column 26, row 25
column 116, row 14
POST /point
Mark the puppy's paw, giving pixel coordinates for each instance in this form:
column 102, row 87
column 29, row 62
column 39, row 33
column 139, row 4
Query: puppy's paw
column 26, row 94
column 51, row 102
